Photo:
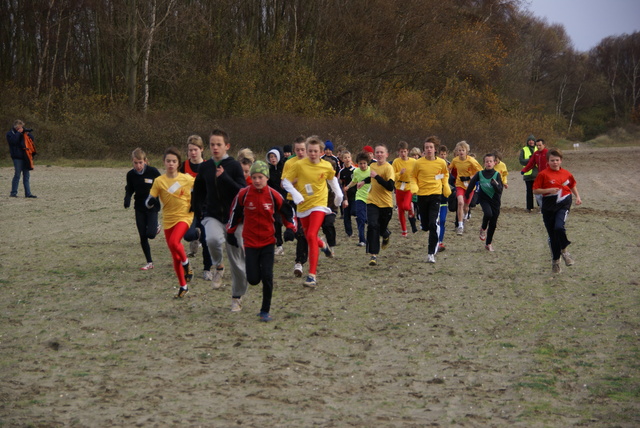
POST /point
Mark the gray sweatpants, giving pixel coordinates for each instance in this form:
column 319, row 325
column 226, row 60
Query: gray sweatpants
column 216, row 233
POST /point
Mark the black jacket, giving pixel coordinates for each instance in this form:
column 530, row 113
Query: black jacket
column 212, row 196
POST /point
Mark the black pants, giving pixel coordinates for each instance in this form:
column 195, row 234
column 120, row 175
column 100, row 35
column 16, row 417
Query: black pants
column 377, row 225
column 329, row 229
column 429, row 207
column 554, row 222
column 259, row 267
column 491, row 212
column 529, row 185
column 147, row 224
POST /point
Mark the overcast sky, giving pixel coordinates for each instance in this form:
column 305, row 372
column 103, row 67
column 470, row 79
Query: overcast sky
column 589, row 21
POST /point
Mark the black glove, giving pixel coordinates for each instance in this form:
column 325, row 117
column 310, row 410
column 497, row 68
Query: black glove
column 127, row 202
column 232, row 240
column 521, row 172
column 289, row 235
column 151, row 202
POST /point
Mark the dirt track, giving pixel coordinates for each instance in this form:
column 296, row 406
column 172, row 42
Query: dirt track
column 478, row 339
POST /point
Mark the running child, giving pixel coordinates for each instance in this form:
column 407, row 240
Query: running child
column 139, row 182
column 379, row 203
column 173, row 190
column 362, row 181
column 489, row 194
column 218, row 182
column 345, row 176
column 501, row 167
column 403, row 168
column 310, row 177
column 556, row 185
column 432, row 176
column 255, row 207
column 443, row 153
column 275, row 160
column 465, row 167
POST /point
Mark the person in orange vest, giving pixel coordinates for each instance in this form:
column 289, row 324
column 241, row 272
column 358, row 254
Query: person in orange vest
column 22, row 152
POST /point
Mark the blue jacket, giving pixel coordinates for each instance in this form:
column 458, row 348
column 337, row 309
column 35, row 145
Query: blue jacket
column 16, row 144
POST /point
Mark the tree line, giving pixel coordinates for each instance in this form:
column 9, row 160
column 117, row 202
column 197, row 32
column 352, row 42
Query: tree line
column 483, row 70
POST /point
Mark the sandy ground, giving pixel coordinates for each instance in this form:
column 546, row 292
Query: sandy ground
column 478, row 339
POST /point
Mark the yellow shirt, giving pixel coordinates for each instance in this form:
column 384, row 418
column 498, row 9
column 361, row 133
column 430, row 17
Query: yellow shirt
column 502, row 169
column 310, row 179
column 432, row 177
column 175, row 195
column 464, row 168
column 287, row 168
column 405, row 181
column 378, row 195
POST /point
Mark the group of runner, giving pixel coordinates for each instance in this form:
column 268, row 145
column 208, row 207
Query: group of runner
column 302, row 187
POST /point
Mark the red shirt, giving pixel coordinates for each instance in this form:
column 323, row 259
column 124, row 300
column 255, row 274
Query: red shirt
column 256, row 208
column 538, row 159
column 561, row 179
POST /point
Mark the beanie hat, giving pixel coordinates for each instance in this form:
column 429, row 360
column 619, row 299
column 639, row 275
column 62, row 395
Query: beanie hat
column 259, row 167
column 287, row 148
column 328, row 145
column 531, row 137
column 368, row 149
column 275, row 152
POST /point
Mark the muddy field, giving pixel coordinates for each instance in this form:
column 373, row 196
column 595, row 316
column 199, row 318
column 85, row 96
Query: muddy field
column 478, row 339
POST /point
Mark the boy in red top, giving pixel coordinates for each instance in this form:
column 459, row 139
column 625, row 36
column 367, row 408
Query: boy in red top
column 256, row 205
column 556, row 186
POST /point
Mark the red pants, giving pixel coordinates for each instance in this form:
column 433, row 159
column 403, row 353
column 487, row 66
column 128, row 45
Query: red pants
column 311, row 225
column 403, row 200
column 174, row 242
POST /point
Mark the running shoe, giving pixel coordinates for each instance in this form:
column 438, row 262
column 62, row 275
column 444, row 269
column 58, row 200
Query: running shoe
column 459, row 230
column 297, row 270
column 264, row 316
column 483, row 234
column 310, row 281
column 441, row 247
column 373, row 261
column 183, row 291
column 385, row 242
column 148, row 266
column 431, row 258
column 279, row 251
column 236, row 304
column 489, row 247
column 555, row 266
column 568, row 260
column 188, row 272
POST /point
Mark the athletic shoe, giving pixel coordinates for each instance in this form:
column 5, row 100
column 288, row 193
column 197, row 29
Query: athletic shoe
column 467, row 216
column 404, row 234
column 207, row 275
column 279, row 251
column 385, row 242
column 216, row 280
column 362, row 244
column 310, row 281
column 555, row 267
column 483, row 234
column 183, row 291
column 373, row 261
column 188, row 273
column 459, row 230
column 489, row 247
column 297, row 270
column 193, row 248
column 13, row 196
column 441, row 247
column 264, row 316
column 31, row 196
column 327, row 249
column 568, row 260
column 236, row 304
column 431, row 258
column 148, row 266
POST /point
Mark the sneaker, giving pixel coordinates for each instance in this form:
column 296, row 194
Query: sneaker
column 31, row 196
column 193, row 248
column 431, row 258
column 441, row 247
column 327, row 250
column 207, row 275
column 404, row 234
column 555, row 267
column 362, row 244
column 489, row 247
column 459, row 230
column 385, row 242
column 373, row 261
column 483, row 234
column 297, row 270
column 188, row 273
column 13, row 196
column 310, row 281
column 279, row 251
column 467, row 216
column 147, row 266
column 183, row 291
column 236, row 304
column 264, row 316
column 568, row 260
column 216, row 278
